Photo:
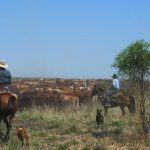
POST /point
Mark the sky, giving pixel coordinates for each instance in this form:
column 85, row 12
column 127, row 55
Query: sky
column 69, row 38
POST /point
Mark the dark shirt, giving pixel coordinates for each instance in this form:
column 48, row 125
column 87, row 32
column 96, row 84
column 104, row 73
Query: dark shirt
column 5, row 77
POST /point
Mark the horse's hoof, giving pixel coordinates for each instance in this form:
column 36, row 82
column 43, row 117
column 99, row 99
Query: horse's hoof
column 1, row 134
column 5, row 139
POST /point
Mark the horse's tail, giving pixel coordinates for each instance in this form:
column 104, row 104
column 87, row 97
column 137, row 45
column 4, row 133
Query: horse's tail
column 132, row 106
column 13, row 102
column 14, row 95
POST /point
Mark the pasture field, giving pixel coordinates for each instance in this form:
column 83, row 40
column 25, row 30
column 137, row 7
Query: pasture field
column 70, row 130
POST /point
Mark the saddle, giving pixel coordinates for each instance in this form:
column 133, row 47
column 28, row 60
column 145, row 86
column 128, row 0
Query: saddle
column 116, row 96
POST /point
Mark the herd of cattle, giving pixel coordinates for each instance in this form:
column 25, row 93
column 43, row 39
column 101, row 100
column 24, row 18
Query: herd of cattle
column 53, row 92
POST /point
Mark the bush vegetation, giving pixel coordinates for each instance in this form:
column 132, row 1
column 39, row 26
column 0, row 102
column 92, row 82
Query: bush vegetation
column 68, row 130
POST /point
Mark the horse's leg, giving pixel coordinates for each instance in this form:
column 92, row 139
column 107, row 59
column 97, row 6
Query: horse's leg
column 1, row 133
column 129, row 108
column 8, row 126
column 122, row 109
column 105, row 113
column 95, row 99
column 10, row 119
column 0, row 119
column 74, row 105
column 77, row 103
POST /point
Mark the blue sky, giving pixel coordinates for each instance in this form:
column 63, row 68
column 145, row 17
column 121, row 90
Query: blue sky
column 69, row 38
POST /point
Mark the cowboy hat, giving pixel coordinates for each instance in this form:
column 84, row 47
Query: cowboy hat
column 3, row 64
column 114, row 76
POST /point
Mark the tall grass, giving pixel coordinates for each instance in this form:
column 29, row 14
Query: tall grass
column 68, row 129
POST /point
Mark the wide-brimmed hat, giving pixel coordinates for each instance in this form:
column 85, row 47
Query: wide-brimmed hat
column 114, row 76
column 3, row 64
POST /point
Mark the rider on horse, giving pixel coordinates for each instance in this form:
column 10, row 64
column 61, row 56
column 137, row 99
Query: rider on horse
column 5, row 76
column 115, row 88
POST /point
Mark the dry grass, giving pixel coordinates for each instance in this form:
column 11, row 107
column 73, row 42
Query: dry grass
column 69, row 130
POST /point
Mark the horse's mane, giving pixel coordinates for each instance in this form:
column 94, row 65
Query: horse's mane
column 99, row 87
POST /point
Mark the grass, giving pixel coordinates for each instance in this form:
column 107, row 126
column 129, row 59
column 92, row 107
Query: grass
column 69, row 130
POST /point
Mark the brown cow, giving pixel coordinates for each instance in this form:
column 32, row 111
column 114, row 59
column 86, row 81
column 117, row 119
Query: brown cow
column 84, row 96
column 70, row 99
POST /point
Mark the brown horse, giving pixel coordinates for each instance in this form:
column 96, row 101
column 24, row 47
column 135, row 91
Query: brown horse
column 8, row 108
column 117, row 99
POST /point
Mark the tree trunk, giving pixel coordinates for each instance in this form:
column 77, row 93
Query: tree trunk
column 142, row 111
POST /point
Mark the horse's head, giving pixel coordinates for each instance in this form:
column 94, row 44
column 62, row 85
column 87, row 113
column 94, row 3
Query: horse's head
column 97, row 90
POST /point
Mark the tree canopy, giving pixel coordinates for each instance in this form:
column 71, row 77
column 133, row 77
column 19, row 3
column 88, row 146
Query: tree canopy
column 133, row 62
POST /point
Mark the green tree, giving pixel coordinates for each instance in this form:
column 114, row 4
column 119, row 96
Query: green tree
column 133, row 63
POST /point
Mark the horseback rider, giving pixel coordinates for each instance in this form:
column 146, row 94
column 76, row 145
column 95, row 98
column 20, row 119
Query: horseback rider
column 115, row 88
column 5, row 76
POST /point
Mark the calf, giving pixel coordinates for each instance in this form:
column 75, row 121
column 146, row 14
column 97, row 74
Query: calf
column 69, row 98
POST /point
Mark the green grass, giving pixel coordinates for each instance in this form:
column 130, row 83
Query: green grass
column 72, row 129
column 67, row 130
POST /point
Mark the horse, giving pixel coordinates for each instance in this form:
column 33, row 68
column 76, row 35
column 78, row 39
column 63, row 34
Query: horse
column 8, row 108
column 117, row 99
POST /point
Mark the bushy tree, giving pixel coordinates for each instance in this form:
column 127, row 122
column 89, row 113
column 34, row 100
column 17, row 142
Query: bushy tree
column 133, row 63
